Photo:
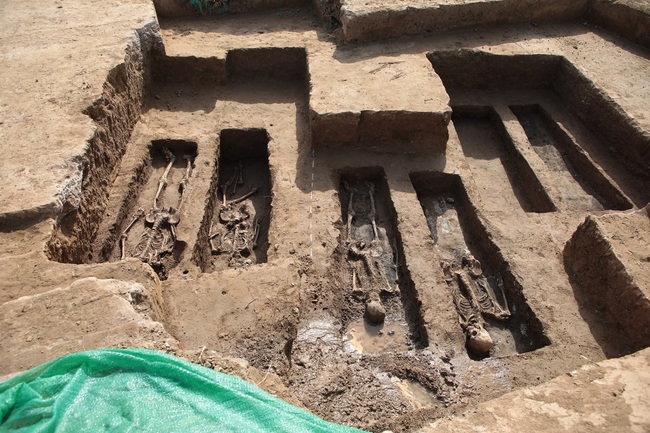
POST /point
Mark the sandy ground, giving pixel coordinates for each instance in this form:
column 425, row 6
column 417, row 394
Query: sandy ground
column 507, row 175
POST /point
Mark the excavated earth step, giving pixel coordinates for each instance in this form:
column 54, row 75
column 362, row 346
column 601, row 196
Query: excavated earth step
column 87, row 314
column 364, row 21
column 608, row 256
column 608, row 396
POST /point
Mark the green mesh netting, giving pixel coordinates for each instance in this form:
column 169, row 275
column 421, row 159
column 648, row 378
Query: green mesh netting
column 209, row 6
column 137, row 390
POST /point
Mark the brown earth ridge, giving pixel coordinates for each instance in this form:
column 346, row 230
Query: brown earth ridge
column 329, row 200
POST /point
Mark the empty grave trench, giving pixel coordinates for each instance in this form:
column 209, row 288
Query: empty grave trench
column 372, row 255
column 473, row 267
column 148, row 223
column 234, row 231
column 578, row 178
column 611, row 152
column 501, row 173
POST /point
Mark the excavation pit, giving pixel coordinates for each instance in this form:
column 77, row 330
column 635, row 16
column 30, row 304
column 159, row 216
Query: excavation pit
column 550, row 94
column 191, row 79
column 484, row 290
column 234, row 232
column 382, row 306
column 490, row 152
column 573, row 168
column 148, row 209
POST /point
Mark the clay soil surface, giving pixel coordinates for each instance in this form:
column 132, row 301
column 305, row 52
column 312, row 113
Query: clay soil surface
column 239, row 197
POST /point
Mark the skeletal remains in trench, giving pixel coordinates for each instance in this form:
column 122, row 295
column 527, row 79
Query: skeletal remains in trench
column 374, row 269
column 159, row 235
column 474, row 297
column 238, row 230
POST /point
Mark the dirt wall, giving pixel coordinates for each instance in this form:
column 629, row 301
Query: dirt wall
column 115, row 115
column 602, row 281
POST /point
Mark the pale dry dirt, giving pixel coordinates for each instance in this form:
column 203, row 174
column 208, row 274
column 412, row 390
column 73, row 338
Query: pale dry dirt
column 525, row 144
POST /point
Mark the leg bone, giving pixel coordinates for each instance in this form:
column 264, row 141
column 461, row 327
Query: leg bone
column 257, row 232
column 163, row 179
column 373, row 211
column 186, row 179
column 245, row 196
column 351, row 212
column 125, row 234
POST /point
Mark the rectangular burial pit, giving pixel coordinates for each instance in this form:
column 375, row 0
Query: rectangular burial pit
column 502, row 174
column 603, row 135
column 234, row 231
column 381, row 312
column 577, row 177
column 148, row 225
column 485, row 292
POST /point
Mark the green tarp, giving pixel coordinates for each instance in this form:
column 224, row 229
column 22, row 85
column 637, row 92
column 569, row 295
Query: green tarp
column 137, row 390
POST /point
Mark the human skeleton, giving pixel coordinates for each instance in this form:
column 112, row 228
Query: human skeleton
column 374, row 269
column 473, row 297
column 159, row 236
column 238, row 230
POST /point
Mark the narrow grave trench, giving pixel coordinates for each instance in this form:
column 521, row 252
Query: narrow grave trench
column 381, row 313
column 489, row 301
column 148, row 225
column 504, row 178
column 589, row 175
column 617, row 139
column 577, row 190
column 589, row 150
column 239, row 209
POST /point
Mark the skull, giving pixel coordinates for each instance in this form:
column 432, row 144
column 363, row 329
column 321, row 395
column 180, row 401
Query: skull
column 478, row 339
